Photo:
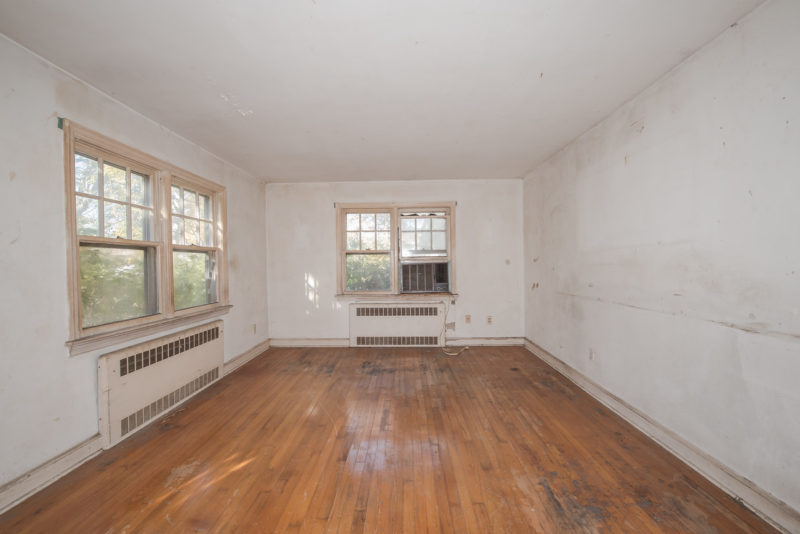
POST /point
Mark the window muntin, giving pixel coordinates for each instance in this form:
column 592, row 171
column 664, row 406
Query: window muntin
column 375, row 241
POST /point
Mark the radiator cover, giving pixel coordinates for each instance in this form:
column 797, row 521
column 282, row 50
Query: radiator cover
column 138, row 383
column 417, row 324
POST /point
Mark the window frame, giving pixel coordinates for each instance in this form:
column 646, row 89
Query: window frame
column 394, row 209
column 162, row 175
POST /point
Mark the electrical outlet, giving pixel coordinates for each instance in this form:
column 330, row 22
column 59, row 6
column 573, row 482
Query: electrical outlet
column 489, row 319
column 467, row 319
column 450, row 326
column 254, row 328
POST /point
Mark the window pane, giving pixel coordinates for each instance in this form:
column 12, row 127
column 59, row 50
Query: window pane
column 205, row 207
column 423, row 223
column 423, row 240
column 407, row 225
column 114, row 284
column 177, row 231
column 177, row 200
column 382, row 221
column 140, row 189
column 115, row 220
column 368, row 240
column 86, row 175
column 439, row 241
column 367, row 221
column 190, row 203
column 207, row 234
column 192, row 232
column 115, row 182
column 368, row 272
column 439, row 224
column 194, row 279
column 353, row 242
column 384, row 241
column 141, row 224
column 353, row 221
column 87, row 214
column 407, row 243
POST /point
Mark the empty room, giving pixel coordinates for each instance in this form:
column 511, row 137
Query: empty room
column 421, row 266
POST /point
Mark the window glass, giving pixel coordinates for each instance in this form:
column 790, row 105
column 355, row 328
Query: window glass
column 189, row 203
column 86, row 175
column 87, row 211
column 115, row 182
column 140, row 189
column 177, row 200
column 194, row 280
column 114, row 284
column 369, row 272
column 115, row 218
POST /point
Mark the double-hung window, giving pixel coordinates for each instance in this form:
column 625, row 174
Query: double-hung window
column 146, row 241
column 117, row 243
column 194, row 247
column 395, row 249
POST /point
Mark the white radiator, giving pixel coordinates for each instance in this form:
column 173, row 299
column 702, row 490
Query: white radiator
column 139, row 383
column 418, row 324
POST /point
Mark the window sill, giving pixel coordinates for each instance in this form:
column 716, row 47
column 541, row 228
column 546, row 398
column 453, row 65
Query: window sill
column 107, row 339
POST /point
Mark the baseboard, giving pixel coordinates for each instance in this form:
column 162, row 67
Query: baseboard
column 22, row 487
column 310, row 342
column 345, row 342
column 767, row 506
column 19, row 489
column 484, row 341
column 233, row 364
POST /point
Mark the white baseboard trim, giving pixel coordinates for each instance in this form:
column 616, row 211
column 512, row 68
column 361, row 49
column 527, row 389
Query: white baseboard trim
column 233, row 364
column 310, row 342
column 765, row 505
column 345, row 342
column 22, row 487
column 484, row 341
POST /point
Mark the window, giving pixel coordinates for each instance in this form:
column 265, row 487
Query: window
column 126, row 269
column 393, row 249
column 194, row 251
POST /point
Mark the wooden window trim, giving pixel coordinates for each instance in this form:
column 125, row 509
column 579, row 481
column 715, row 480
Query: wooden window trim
column 162, row 175
column 394, row 208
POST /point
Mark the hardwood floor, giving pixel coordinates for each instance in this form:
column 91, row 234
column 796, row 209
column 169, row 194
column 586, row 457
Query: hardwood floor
column 386, row 440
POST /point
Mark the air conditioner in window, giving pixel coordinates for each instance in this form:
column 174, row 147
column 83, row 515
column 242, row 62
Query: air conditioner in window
column 433, row 277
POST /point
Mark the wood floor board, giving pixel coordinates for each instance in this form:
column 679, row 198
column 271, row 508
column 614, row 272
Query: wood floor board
column 341, row 440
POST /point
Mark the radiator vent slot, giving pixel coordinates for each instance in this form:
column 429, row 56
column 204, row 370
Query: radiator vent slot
column 168, row 350
column 157, row 407
column 397, row 311
column 396, row 341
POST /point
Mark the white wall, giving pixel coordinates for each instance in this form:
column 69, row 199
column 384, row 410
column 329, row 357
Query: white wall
column 301, row 225
column 665, row 246
column 49, row 399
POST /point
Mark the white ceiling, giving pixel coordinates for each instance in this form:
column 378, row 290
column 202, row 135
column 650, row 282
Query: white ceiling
column 324, row 90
